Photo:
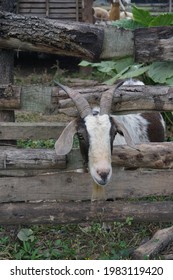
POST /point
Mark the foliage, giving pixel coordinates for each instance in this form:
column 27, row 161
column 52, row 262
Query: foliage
column 156, row 72
column 145, row 18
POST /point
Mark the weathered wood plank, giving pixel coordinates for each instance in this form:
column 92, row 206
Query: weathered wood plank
column 153, row 44
column 78, row 212
column 12, row 158
column 76, row 185
column 33, row 131
column 10, row 97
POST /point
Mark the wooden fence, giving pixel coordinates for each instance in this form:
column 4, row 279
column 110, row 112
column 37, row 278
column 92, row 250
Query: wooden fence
column 37, row 186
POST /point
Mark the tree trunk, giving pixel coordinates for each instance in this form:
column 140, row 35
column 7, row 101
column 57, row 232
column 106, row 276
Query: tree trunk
column 52, row 36
column 6, row 69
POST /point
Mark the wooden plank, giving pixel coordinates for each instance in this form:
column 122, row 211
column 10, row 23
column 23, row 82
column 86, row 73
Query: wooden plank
column 151, row 155
column 76, row 185
column 33, row 131
column 32, row 11
column 12, row 158
column 32, row 5
column 153, row 44
column 79, row 212
column 10, row 97
column 63, row 11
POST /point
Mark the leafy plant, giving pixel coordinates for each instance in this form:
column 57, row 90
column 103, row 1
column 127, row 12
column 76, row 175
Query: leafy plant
column 124, row 68
column 145, row 18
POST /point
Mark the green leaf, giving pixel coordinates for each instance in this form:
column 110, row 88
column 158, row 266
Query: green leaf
column 129, row 72
column 123, row 63
column 105, row 66
column 84, row 63
column 169, row 81
column 135, row 71
column 142, row 16
column 162, row 20
column 25, row 234
column 160, row 72
column 116, row 77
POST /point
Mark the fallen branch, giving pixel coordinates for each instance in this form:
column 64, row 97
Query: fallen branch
column 156, row 244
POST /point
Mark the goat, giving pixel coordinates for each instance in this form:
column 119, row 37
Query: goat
column 98, row 132
column 101, row 14
column 115, row 12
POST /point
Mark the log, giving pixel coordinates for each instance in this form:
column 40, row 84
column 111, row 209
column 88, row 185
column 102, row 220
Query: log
column 51, row 36
column 10, row 97
column 12, row 158
column 153, row 44
column 157, row 243
column 152, row 155
column 75, row 39
column 85, row 211
column 6, row 69
column 77, row 185
column 126, row 99
column 46, row 99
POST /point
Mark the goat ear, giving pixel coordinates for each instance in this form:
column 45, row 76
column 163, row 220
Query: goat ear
column 65, row 142
column 123, row 130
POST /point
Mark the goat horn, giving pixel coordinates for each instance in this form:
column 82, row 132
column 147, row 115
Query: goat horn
column 106, row 100
column 80, row 102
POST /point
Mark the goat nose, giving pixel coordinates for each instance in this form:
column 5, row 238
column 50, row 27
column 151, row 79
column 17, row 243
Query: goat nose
column 103, row 175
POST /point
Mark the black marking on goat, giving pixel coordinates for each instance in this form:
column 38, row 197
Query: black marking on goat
column 83, row 140
column 113, row 132
column 155, row 128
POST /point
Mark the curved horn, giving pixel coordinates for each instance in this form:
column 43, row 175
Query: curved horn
column 106, row 100
column 80, row 102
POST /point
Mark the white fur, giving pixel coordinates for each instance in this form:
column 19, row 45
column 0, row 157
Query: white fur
column 98, row 128
column 136, row 126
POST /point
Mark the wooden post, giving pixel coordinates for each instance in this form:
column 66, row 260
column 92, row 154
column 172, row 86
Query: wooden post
column 6, row 69
column 87, row 11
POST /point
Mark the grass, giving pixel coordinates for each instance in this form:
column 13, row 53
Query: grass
column 84, row 241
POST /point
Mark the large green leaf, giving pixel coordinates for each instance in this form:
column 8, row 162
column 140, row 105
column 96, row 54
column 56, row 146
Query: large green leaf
column 160, row 72
column 121, row 64
column 105, row 66
column 142, row 16
column 162, row 20
column 129, row 72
